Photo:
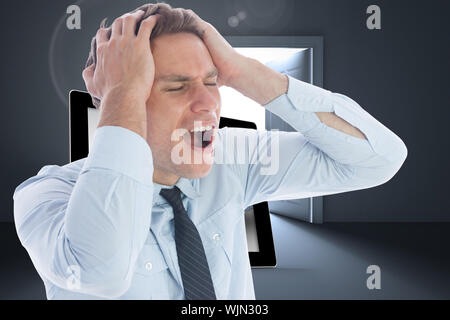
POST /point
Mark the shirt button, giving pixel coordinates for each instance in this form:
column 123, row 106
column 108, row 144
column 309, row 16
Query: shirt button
column 216, row 236
column 148, row 266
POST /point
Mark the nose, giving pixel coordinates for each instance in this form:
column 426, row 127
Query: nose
column 205, row 98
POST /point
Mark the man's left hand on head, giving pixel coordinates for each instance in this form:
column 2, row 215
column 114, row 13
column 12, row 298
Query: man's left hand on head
column 228, row 61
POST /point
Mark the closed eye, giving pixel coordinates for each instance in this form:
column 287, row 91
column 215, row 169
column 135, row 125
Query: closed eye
column 178, row 89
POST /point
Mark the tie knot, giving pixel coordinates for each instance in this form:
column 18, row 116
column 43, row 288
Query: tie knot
column 173, row 197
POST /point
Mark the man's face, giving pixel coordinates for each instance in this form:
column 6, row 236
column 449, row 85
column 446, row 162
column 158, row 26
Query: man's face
column 176, row 107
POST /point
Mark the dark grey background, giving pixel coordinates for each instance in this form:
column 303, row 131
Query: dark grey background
column 398, row 74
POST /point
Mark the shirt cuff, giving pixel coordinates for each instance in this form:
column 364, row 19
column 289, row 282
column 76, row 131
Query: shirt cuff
column 121, row 150
column 304, row 97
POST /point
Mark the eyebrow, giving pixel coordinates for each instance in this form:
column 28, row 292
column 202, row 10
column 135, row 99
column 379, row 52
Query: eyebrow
column 180, row 78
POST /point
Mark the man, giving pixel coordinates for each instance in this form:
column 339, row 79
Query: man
column 139, row 218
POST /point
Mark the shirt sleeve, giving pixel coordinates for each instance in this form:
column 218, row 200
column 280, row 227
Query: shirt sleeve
column 84, row 233
column 318, row 160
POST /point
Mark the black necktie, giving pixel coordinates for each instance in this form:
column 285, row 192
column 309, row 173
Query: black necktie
column 194, row 267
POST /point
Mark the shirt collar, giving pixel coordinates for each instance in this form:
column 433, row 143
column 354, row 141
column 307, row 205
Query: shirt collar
column 185, row 185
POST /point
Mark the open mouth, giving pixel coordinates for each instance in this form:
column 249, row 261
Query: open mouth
column 202, row 138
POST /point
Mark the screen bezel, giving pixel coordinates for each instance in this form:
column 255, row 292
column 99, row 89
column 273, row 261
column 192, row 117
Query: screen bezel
column 265, row 257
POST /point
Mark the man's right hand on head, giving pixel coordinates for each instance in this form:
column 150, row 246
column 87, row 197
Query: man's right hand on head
column 123, row 76
column 125, row 60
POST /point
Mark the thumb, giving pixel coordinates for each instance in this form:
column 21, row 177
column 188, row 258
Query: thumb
column 88, row 75
column 88, row 72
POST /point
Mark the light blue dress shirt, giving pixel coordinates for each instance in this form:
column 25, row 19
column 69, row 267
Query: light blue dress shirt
column 97, row 228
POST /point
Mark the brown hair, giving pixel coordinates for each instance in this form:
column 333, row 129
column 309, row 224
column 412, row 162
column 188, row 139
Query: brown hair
column 171, row 20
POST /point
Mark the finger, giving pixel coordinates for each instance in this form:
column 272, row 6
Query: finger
column 202, row 24
column 88, row 72
column 193, row 13
column 116, row 28
column 129, row 23
column 101, row 36
column 147, row 25
column 197, row 17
